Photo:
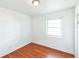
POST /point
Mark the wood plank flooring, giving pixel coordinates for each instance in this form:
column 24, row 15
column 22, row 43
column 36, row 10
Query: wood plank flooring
column 33, row 50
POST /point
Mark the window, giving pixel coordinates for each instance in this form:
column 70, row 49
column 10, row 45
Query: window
column 54, row 27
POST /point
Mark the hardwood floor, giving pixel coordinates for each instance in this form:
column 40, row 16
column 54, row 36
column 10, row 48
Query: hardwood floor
column 33, row 50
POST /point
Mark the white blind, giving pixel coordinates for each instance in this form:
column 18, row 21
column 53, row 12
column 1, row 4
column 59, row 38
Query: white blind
column 54, row 27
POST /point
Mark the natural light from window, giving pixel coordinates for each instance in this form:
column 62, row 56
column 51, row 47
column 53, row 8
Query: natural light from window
column 54, row 27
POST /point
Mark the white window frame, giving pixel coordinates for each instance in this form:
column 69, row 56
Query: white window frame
column 57, row 36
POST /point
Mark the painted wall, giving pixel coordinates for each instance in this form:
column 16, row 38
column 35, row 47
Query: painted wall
column 77, row 30
column 66, row 43
column 15, row 30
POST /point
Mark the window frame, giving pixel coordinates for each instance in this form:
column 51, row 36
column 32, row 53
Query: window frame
column 58, row 36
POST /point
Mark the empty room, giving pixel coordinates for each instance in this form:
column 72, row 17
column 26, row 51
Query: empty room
column 39, row 28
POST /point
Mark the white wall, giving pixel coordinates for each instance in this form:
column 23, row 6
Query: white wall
column 66, row 43
column 15, row 30
column 77, row 31
column 77, row 8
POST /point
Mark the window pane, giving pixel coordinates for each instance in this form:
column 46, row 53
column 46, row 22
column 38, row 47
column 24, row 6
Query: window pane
column 54, row 33
column 54, row 21
column 54, row 27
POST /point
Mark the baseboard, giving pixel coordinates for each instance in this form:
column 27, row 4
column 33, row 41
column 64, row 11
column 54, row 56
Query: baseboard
column 33, row 44
column 6, row 53
column 50, row 48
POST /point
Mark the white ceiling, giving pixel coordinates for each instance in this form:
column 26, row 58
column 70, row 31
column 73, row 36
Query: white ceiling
column 45, row 6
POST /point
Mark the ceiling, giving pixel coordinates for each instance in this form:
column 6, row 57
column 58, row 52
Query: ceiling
column 45, row 6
